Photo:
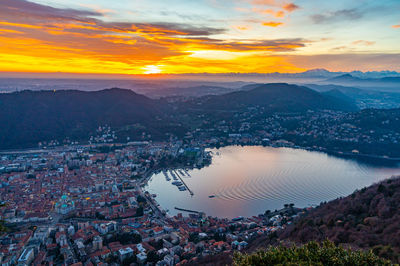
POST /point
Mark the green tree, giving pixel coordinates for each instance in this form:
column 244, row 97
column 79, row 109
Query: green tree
column 311, row 253
column 2, row 226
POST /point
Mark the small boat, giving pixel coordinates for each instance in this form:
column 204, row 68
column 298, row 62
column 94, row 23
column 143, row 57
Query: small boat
column 181, row 172
column 177, row 183
column 173, row 175
column 237, row 218
column 182, row 188
column 212, row 196
column 166, row 176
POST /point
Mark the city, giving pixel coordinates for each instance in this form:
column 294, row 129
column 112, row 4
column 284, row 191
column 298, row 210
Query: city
column 84, row 207
column 201, row 132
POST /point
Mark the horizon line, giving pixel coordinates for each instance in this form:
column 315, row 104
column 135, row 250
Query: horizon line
column 21, row 74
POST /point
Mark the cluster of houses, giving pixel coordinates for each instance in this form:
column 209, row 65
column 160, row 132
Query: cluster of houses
column 82, row 207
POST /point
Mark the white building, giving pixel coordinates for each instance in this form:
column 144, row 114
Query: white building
column 124, row 253
column 141, row 258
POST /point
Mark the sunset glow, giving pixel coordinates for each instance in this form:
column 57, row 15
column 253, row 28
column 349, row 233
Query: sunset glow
column 151, row 69
column 141, row 37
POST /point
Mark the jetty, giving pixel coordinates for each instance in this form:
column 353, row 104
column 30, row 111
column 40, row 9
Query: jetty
column 183, row 182
column 187, row 210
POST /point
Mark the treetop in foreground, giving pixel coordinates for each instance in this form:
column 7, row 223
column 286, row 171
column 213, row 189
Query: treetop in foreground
column 311, row 253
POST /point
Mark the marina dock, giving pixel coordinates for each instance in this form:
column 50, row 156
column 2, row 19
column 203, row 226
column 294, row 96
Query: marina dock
column 181, row 172
column 183, row 182
column 166, row 176
column 186, row 210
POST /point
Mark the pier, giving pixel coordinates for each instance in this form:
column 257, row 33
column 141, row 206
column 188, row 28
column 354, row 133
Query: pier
column 186, row 210
column 183, row 182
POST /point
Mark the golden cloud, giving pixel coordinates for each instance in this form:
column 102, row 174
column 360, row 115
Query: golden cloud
column 277, row 14
column 272, row 23
column 42, row 38
column 290, row 7
column 363, row 42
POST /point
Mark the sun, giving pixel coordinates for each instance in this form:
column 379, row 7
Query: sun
column 152, row 69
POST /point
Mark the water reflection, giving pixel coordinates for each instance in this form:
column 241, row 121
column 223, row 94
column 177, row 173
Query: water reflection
column 246, row 181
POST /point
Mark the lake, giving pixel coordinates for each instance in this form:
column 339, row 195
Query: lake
column 247, row 181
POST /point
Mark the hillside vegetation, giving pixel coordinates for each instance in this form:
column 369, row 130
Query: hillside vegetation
column 367, row 219
column 274, row 97
column 311, row 253
column 29, row 117
column 360, row 229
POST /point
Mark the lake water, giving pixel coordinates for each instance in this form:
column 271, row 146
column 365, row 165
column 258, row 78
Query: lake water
column 249, row 180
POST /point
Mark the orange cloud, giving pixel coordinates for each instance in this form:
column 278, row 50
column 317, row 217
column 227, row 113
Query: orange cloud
column 66, row 40
column 272, row 24
column 278, row 8
column 363, row 42
column 256, row 63
column 277, row 14
column 396, row 26
column 290, row 7
column 241, row 27
column 10, row 31
column 5, row 23
column 264, row 2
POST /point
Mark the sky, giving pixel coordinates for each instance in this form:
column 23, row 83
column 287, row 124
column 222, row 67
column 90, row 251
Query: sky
column 198, row 36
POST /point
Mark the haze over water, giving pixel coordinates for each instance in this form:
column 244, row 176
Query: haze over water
column 249, row 180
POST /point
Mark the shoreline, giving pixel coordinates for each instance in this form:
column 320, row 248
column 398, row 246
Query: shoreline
column 320, row 149
column 338, row 154
column 213, row 154
column 143, row 182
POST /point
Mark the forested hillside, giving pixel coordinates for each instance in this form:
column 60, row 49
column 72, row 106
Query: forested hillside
column 367, row 219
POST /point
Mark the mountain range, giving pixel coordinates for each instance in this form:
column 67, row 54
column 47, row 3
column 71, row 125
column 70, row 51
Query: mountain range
column 29, row 117
column 374, row 83
column 273, row 97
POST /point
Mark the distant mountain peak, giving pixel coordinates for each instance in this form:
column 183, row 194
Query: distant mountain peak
column 116, row 89
column 275, row 97
column 317, row 70
column 346, row 76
